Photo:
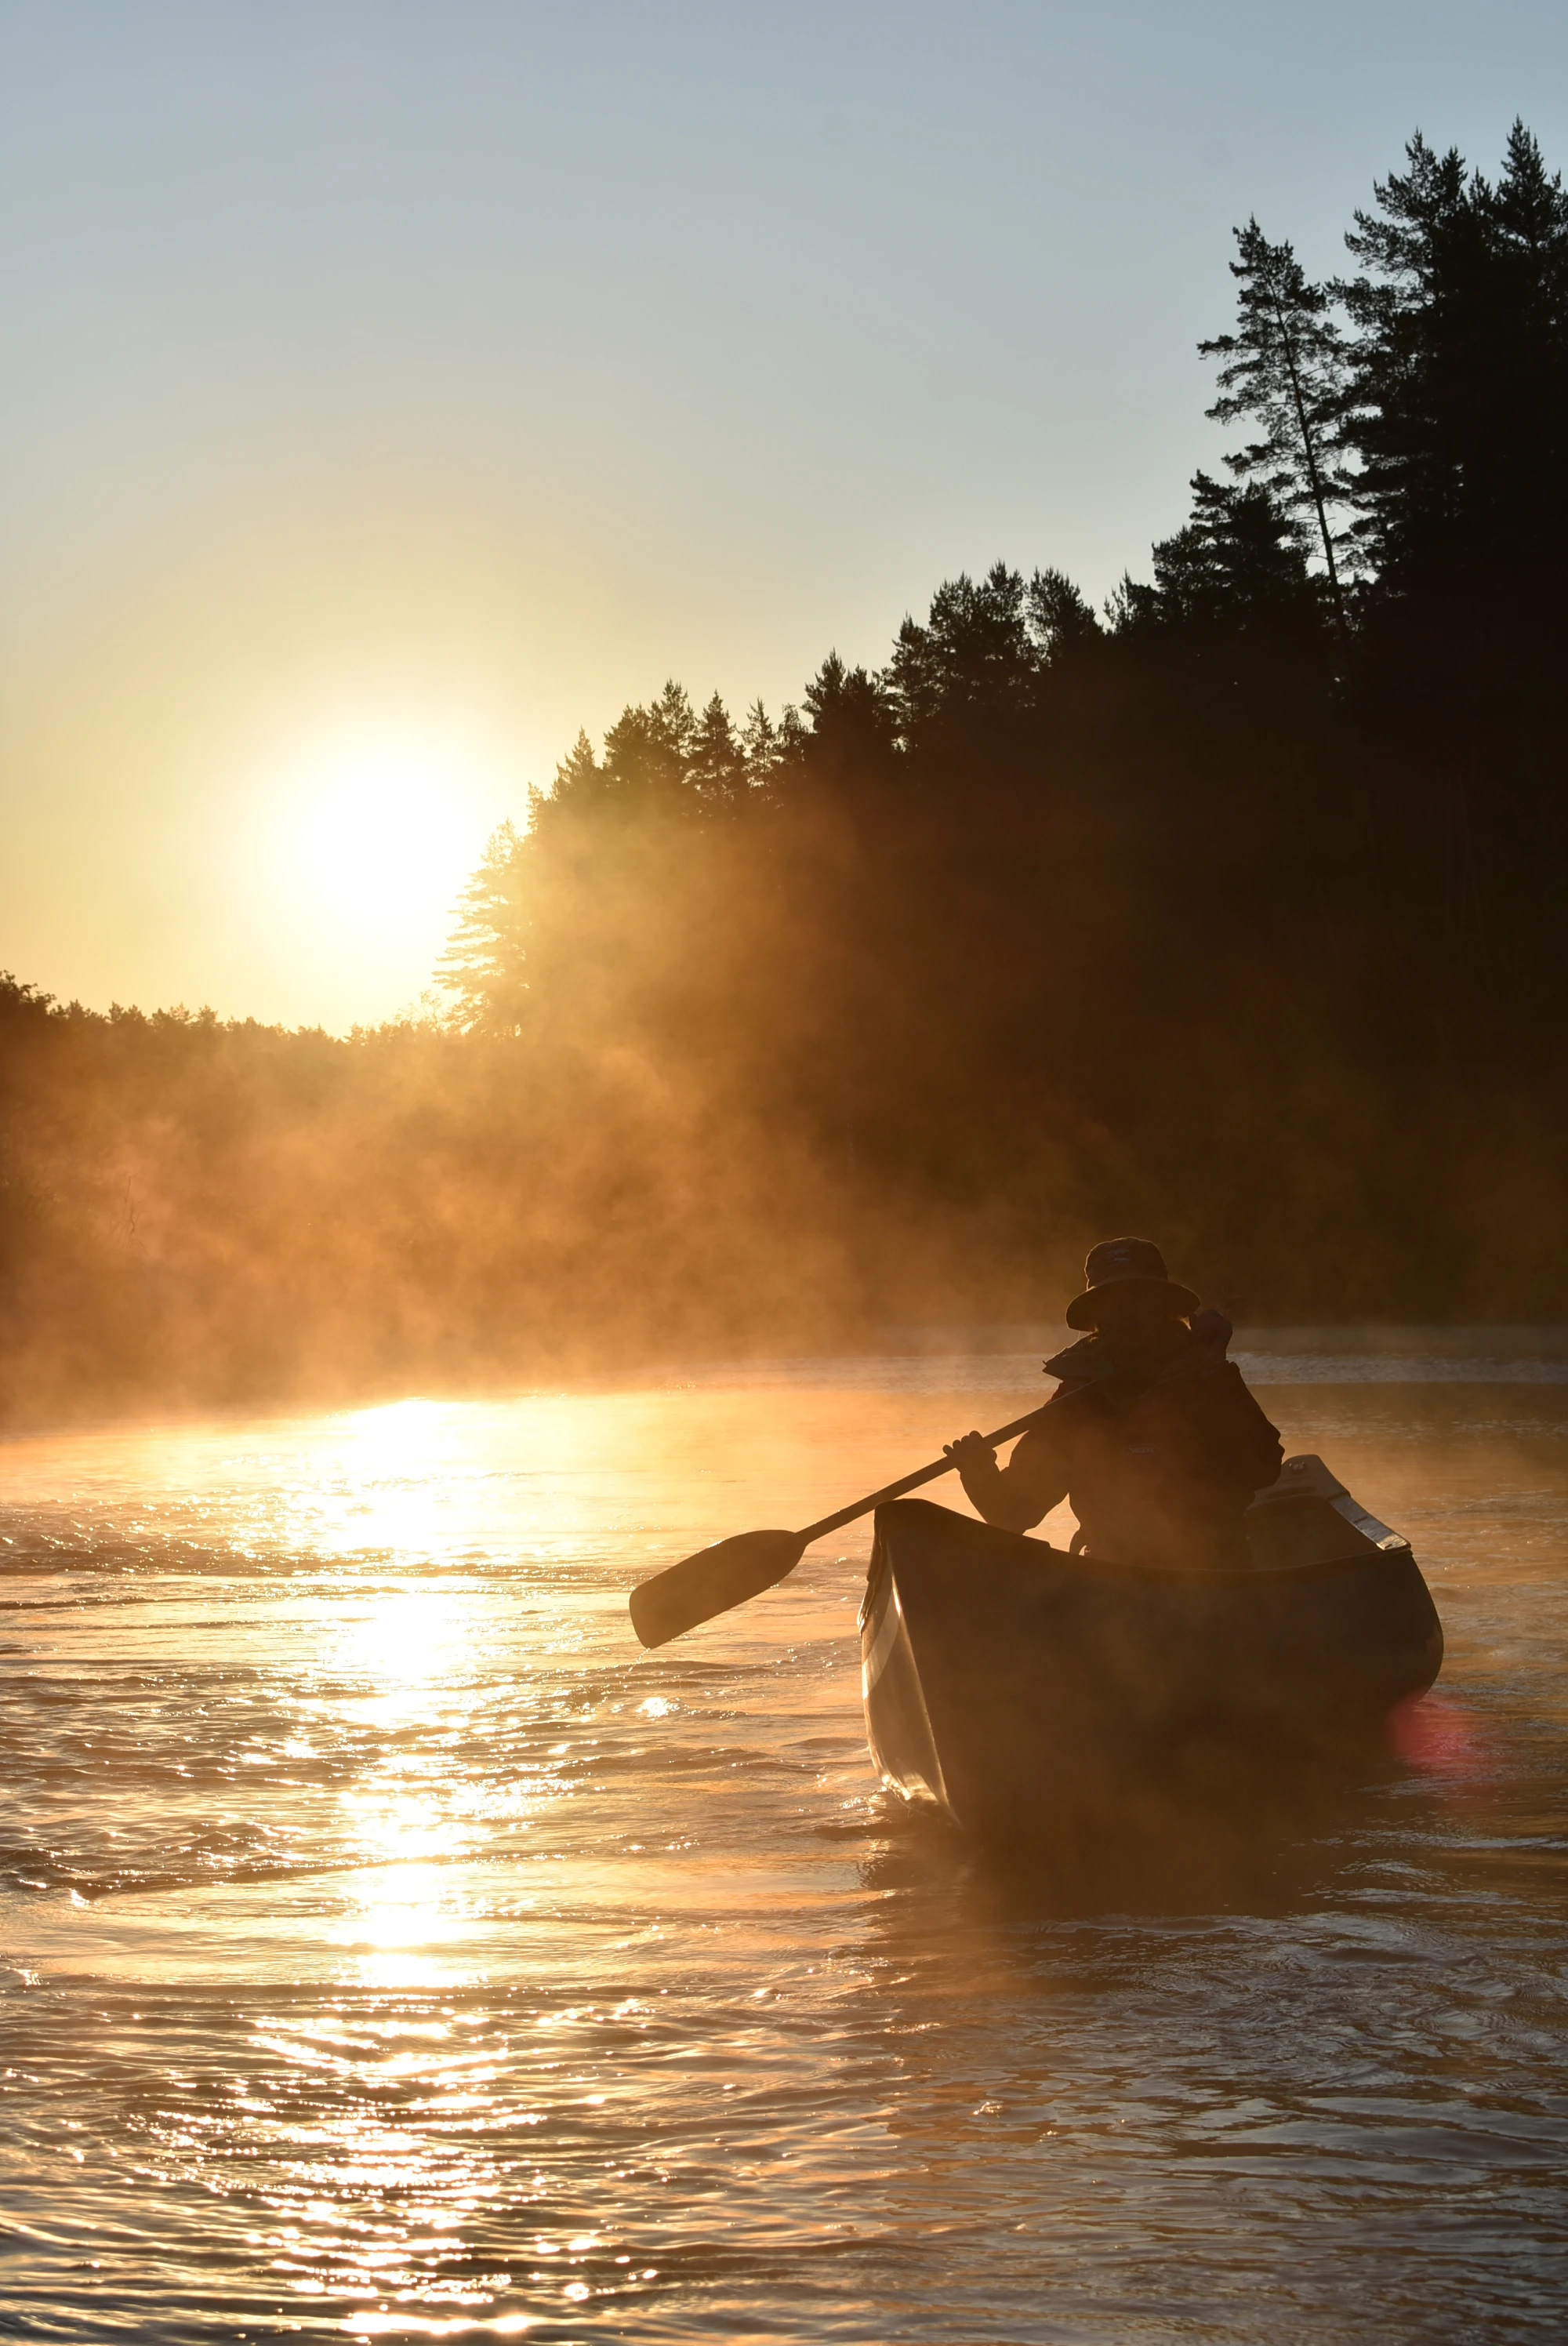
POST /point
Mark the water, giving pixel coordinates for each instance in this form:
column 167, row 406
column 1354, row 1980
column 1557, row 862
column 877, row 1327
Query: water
column 393, row 1951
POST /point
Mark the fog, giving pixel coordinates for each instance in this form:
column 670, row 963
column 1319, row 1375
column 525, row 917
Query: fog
column 1230, row 914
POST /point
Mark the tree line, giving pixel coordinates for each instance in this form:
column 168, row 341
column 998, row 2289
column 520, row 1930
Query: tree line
column 1375, row 596
column 1230, row 910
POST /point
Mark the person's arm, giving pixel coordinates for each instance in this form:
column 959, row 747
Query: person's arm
column 1015, row 1496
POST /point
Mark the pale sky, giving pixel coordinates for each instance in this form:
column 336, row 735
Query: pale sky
column 392, row 386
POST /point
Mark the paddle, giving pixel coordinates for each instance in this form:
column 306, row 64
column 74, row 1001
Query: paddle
column 717, row 1577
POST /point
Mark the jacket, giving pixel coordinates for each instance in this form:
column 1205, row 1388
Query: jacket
column 1158, row 1470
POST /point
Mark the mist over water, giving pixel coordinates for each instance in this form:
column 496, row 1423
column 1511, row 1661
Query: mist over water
column 392, row 1951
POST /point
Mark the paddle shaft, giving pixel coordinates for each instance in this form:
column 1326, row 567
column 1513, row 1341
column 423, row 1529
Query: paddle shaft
column 909, row 1483
column 700, row 1586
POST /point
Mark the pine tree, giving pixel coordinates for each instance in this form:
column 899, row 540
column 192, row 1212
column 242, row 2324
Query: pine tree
column 485, row 963
column 759, row 745
column 1059, row 618
column 850, row 736
column 1287, row 366
column 1238, row 562
column 1522, row 470
column 1461, row 409
column 577, row 777
column 647, row 751
column 1416, row 358
column 717, row 768
column 973, row 654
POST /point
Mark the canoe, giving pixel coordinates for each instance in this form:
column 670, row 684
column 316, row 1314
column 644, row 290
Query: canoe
column 1019, row 1687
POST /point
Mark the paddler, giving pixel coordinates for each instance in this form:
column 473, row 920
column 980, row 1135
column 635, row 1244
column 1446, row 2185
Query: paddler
column 1151, row 1434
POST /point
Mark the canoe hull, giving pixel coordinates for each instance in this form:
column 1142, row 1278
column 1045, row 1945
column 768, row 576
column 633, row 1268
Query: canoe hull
column 1021, row 1688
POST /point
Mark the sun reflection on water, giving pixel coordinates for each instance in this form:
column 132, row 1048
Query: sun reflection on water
column 413, row 1650
column 401, row 1929
column 409, row 1635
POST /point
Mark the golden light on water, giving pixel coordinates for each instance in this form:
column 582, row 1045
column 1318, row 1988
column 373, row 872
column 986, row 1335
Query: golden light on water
column 412, row 1650
column 409, row 1636
column 401, row 1931
column 447, row 1967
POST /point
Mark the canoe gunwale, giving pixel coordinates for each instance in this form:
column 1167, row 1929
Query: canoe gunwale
column 1245, row 1576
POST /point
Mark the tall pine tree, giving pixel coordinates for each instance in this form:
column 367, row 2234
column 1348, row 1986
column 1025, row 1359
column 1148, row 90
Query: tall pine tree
column 1286, row 366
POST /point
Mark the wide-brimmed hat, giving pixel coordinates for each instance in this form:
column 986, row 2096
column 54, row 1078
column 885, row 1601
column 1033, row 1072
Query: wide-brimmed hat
column 1125, row 1262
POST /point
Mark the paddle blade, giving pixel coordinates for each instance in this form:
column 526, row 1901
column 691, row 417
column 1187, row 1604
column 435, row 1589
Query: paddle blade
column 711, row 1581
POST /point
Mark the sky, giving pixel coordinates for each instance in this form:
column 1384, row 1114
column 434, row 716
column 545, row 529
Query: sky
column 392, row 387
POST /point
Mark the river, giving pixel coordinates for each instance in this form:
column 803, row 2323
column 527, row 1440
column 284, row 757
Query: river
column 392, row 1951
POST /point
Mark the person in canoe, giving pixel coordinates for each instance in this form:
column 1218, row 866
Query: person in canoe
column 1151, row 1434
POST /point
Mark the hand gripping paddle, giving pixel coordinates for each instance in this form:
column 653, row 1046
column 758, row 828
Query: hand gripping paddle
column 699, row 1587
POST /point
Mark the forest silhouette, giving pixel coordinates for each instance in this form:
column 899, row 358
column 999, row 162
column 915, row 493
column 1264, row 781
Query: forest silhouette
column 1233, row 912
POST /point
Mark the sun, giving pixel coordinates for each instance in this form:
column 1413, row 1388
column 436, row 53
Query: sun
column 349, row 844
column 384, row 829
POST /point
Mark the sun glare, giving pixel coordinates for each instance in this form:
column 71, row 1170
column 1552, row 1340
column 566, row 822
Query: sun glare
column 380, row 831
